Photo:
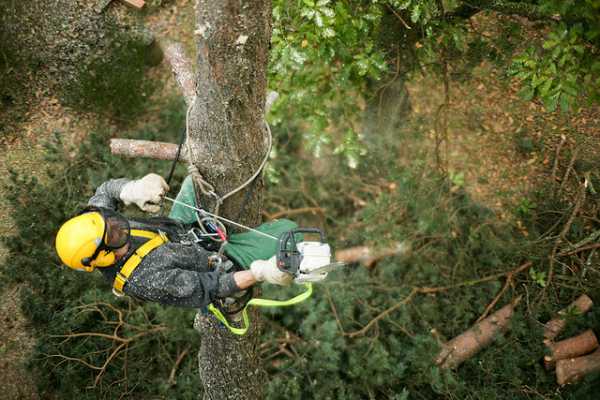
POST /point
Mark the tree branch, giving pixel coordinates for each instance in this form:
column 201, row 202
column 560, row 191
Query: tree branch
column 146, row 149
column 470, row 342
column 368, row 256
column 182, row 69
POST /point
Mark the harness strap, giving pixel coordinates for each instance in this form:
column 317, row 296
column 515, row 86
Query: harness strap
column 156, row 239
column 259, row 303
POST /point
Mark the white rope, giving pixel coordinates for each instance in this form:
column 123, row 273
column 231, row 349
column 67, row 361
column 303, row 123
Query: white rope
column 221, row 218
column 262, row 164
column 208, row 189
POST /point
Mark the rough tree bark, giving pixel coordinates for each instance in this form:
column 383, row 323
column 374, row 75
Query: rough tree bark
column 226, row 139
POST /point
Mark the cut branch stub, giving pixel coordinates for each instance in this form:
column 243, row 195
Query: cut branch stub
column 571, row 347
column 555, row 326
column 573, row 369
column 146, row 149
column 182, row 69
column 480, row 335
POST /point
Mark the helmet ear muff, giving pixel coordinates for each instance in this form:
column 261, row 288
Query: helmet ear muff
column 104, row 259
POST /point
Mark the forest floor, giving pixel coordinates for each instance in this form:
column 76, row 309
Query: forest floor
column 499, row 148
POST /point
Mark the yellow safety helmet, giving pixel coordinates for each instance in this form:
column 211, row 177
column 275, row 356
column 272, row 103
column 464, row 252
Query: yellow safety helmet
column 87, row 241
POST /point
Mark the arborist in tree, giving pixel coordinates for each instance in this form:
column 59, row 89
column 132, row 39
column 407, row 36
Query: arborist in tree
column 154, row 259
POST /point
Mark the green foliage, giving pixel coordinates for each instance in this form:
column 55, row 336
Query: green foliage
column 454, row 241
column 563, row 67
column 58, row 301
column 323, row 54
column 329, row 57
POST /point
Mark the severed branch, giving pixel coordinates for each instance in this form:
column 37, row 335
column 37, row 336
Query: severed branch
column 182, row 69
column 146, row 149
column 368, row 256
column 137, row 4
column 573, row 369
column 168, row 151
column 470, row 342
column 555, row 326
column 572, row 347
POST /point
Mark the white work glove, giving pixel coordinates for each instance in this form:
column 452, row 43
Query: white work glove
column 146, row 193
column 267, row 271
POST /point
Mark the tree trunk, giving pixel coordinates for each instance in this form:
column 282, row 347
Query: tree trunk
column 227, row 143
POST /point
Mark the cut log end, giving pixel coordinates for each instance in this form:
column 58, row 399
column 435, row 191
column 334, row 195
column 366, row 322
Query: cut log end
column 573, row 369
column 555, row 326
column 368, row 256
column 137, row 4
column 145, row 149
column 569, row 348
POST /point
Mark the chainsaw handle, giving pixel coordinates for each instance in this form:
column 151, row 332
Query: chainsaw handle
column 309, row 230
column 288, row 257
column 291, row 235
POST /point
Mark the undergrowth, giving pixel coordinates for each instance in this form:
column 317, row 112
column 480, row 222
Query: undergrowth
column 318, row 349
column 116, row 85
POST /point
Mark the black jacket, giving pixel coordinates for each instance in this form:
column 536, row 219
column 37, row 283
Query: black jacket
column 172, row 274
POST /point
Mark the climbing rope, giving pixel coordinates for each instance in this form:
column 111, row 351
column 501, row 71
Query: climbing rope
column 207, row 189
column 215, row 223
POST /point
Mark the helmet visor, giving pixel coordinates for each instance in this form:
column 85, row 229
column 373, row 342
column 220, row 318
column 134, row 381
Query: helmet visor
column 116, row 230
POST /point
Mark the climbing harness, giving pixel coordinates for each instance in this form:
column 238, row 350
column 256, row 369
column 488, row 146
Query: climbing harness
column 155, row 240
column 307, row 261
column 218, row 217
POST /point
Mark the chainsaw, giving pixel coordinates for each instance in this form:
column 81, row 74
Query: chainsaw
column 306, row 261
